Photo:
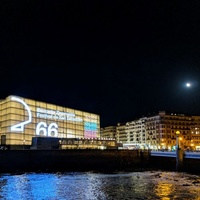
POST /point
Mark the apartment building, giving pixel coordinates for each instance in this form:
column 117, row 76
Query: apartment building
column 195, row 132
column 132, row 134
column 159, row 131
column 108, row 132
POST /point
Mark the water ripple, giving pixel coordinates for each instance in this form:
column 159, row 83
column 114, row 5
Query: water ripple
column 96, row 186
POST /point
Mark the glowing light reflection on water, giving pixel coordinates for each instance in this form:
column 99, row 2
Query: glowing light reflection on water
column 91, row 186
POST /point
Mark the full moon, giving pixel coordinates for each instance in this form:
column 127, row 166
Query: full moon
column 188, row 85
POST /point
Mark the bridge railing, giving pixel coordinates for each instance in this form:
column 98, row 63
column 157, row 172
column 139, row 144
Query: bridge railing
column 163, row 153
column 193, row 155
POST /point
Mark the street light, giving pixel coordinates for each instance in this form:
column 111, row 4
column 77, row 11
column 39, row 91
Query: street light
column 177, row 139
column 192, row 145
column 179, row 153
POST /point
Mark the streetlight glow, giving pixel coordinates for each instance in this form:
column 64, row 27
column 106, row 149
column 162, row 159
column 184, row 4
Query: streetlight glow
column 177, row 132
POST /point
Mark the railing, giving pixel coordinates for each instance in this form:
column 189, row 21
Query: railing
column 163, row 153
column 192, row 155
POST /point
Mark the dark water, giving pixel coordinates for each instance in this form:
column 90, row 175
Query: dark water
column 90, row 186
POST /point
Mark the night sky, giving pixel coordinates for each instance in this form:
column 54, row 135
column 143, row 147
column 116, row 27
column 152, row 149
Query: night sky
column 119, row 59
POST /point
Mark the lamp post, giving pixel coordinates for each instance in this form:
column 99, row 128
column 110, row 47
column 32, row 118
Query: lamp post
column 192, row 145
column 177, row 140
column 179, row 153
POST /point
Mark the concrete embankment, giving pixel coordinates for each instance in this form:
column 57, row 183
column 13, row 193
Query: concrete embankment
column 170, row 164
column 12, row 161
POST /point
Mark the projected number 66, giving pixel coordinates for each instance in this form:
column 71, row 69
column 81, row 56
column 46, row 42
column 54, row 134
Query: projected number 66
column 47, row 130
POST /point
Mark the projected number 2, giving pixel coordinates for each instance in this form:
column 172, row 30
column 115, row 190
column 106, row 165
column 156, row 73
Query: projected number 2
column 50, row 130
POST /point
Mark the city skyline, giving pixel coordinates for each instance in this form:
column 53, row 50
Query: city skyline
column 120, row 60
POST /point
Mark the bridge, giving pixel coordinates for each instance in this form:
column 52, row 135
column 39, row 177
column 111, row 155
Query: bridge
column 192, row 155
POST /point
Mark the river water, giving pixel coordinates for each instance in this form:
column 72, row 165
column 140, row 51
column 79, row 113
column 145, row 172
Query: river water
column 147, row 185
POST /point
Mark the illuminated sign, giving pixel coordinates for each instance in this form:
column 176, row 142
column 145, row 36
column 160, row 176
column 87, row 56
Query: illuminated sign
column 90, row 129
column 51, row 130
column 55, row 114
column 20, row 126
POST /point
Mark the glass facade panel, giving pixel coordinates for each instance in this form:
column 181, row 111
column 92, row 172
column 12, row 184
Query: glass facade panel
column 4, row 106
column 69, row 125
column 16, row 111
column 14, row 104
column 4, row 112
column 79, row 127
column 70, row 110
column 77, row 112
column 51, row 107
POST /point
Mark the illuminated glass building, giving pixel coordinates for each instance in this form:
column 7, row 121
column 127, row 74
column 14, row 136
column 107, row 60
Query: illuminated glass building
column 22, row 119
